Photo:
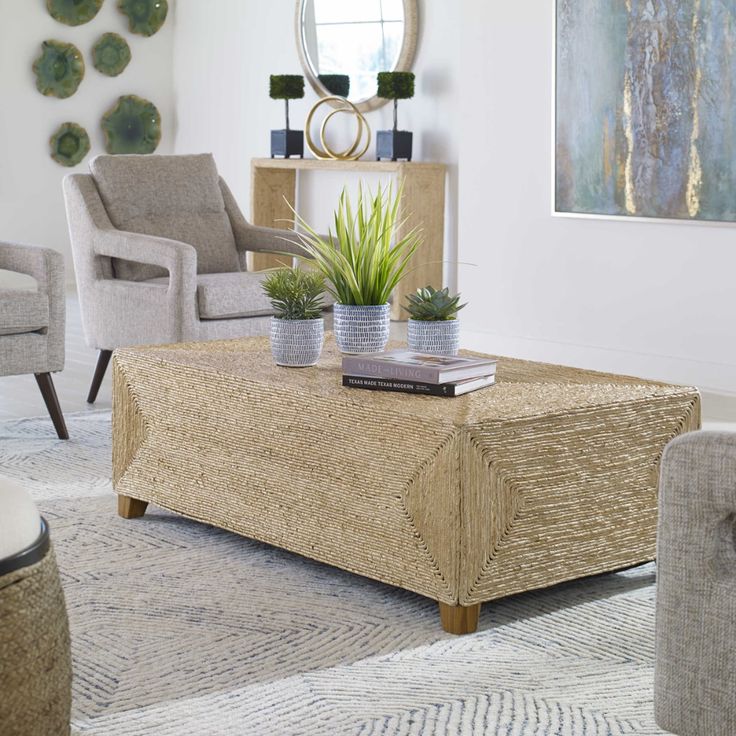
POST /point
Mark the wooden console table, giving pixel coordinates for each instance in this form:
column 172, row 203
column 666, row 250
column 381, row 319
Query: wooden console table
column 273, row 183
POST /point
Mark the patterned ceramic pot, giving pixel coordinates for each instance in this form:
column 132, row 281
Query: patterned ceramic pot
column 362, row 329
column 296, row 343
column 437, row 338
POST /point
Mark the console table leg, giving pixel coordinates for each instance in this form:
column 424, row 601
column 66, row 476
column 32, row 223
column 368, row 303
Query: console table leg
column 459, row 619
column 131, row 508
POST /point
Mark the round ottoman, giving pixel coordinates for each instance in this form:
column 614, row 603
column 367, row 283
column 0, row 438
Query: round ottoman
column 35, row 657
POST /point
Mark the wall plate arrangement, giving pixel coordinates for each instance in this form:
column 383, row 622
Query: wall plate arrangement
column 111, row 54
column 73, row 12
column 132, row 125
column 69, row 144
column 59, row 69
column 145, row 17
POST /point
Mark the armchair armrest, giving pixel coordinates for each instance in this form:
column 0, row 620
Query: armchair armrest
column 255, row 238
column 46, row 266
column 695, row 669
column 40, row 263
column 179, row 259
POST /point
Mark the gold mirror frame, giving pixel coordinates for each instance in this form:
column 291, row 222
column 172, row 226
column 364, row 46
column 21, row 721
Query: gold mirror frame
column 404, row 63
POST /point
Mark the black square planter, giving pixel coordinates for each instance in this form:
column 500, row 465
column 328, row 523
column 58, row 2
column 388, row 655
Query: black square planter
column 287, row 143
column 393, row 144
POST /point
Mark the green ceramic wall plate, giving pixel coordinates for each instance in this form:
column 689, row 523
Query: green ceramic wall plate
column 73, row 12
column 145, row 17
column 69, row 144
column 59, row 70
column 132, row 125
column 111, row 54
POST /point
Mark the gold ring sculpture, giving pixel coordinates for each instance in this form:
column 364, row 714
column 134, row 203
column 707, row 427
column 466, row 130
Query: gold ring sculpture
column 325, row 152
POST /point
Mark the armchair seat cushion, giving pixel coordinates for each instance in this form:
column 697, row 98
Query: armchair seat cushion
column 175, row 197
column 229, row 295
column 23, row 310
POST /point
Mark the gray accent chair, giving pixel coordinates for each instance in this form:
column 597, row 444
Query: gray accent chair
column 159, row 247
column 32, row 322
column 695, row 671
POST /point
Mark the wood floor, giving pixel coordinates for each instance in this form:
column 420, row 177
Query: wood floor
column 20, row 397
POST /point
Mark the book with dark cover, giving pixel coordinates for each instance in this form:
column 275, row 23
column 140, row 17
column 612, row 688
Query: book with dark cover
column 408, row 366
column 457, row 388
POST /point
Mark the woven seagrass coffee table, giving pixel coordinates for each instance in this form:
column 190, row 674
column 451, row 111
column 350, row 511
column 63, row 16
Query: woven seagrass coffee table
column 548, row 476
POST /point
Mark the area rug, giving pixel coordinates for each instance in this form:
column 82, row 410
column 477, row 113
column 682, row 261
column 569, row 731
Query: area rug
column 180, row 629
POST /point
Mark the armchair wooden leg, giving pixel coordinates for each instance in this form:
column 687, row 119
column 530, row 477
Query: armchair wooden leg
column 46, row 384
column 102, row 362
column 459, row 619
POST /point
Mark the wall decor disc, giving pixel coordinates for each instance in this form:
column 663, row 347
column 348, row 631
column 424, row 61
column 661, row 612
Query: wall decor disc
column 145, row 17
column 59, row 69
column 69, row 144
column 73, row 12
column 111, row 54
column 132, row 125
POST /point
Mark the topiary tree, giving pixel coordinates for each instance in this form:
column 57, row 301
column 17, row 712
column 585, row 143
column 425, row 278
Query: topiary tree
column 336, row 84
column 396, row 86
column 286, row 87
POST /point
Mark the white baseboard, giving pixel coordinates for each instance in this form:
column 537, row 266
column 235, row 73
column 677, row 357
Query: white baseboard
column 716, row 381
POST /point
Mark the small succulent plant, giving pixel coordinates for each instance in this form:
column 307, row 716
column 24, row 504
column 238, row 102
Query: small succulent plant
column 295, row 293
column 432, row 305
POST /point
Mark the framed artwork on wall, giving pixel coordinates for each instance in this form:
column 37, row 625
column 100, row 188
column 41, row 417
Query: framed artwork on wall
column 645, row 109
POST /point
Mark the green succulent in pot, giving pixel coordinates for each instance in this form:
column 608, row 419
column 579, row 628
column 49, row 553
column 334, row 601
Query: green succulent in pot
column 297, row 328
column 433, row 326
column 433, row 305
column 362, row 260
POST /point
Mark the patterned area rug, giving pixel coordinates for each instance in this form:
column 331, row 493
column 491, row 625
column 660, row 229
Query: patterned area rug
column 180, row 629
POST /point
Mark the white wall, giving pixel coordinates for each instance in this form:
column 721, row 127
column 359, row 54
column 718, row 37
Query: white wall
column 644, row 298
column 224, row 54
column 31, row 203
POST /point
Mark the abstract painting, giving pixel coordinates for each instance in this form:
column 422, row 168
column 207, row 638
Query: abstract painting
column 646, row 108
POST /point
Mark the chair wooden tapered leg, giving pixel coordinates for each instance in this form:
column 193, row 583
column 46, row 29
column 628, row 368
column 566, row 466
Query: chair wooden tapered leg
column 459, row 619
column 46, row 384
column 102, row 362
column 131, row 508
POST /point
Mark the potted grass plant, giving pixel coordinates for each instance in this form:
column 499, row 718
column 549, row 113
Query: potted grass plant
column 433, row 325
column 362, row 262
column 297, row 329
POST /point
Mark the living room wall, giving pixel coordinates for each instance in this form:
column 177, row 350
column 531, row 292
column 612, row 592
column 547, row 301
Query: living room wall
column 224, row 54
column 31, row 202
column 655, row 299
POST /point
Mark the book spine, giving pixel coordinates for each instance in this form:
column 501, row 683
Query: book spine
column 407, row 387
column 356, row 366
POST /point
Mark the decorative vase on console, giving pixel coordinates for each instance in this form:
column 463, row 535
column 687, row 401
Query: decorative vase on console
column 433, row 326
column 362, row 265
column 287, row 142
column 395, row 144
column 297, row 329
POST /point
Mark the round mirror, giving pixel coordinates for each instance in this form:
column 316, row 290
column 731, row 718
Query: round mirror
column 343, row 43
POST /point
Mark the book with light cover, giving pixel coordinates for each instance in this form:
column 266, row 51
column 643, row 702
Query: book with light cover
column 421, row 367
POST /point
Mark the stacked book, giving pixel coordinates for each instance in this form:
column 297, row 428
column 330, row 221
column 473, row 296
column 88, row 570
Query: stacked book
column 418, row 373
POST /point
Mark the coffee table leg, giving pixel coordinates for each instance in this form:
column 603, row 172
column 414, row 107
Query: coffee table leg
column 131, row 508
column 459, row 619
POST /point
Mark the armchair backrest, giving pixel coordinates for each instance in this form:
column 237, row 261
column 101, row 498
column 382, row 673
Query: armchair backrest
column 176, row 197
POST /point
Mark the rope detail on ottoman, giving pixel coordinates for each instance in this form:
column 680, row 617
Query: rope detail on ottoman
column 35, row 659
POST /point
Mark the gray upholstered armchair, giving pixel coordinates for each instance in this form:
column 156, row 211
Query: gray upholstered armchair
column 695, row 677
column 32, row 322
column 159, row 248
